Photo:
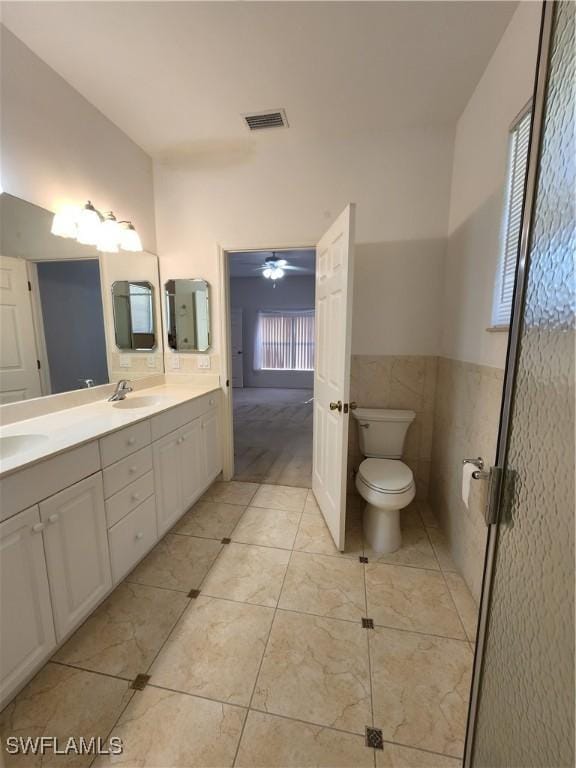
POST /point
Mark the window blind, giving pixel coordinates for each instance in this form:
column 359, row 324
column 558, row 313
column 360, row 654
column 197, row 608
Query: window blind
column 285, row 340
column 518, row 161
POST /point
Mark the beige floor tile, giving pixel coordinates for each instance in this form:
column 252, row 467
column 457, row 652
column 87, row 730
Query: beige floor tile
column 163, row 729
column 124, row 634
column 273, row 741
column 177, row 562
column 232, row 492
column 415, row 550
column 325, row 586
column 427, row 515
column 280, row 497
column 267, row 527
column 63, row 702
column 442, row 549
column 465, row 603
column 215, row 650
column 311, row 505
column 210, row 519
column 313, row 536
column 393, row 756
column 421, row 686
column 316, row 669
column 411, row 598
column 248, row 573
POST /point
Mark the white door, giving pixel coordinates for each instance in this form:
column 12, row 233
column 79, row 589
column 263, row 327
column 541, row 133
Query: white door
column 19, row 375
column 167, row 480
column 27, row 627
column 211, row 453
column 190, row 450
column 334, row 283
column 76, row 545
column 237, row 348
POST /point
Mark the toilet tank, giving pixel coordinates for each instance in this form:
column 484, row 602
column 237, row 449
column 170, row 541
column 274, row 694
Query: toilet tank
column 382, row 432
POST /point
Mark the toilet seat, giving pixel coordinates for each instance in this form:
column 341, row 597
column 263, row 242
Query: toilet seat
column 389, row 476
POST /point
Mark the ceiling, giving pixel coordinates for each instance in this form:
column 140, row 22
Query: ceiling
column 246, row 263
column 177, row 76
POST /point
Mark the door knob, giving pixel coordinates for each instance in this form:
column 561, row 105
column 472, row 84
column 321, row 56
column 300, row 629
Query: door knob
column 353, row 405
column 336, row 406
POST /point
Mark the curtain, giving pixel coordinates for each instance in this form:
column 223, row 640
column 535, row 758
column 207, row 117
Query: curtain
column 285, row 340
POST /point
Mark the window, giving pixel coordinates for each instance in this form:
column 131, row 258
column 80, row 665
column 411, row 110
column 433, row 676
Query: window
column 141, row 308
column 285, row 340
column 517, row 162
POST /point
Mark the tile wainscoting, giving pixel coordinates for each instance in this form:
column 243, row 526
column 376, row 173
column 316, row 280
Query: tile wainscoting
column 397, row 381
column 466, row 416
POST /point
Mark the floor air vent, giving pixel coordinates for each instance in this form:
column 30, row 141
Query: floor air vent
column 271, row 119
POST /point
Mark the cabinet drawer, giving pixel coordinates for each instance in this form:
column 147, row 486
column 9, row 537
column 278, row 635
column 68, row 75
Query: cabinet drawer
column 120, row 444
column 129, row 498
column 132, row 538
column 122, row 473
column 170, row 420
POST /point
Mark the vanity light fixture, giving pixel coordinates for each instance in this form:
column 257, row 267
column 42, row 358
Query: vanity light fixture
column 90, row 227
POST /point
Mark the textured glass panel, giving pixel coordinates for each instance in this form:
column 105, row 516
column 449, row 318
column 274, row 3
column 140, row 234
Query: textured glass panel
column 526, row 706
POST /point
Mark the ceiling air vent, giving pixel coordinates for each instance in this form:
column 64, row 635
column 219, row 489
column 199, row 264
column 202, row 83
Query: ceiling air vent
column 269, row 119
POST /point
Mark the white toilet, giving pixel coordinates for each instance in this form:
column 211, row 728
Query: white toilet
column 385, row 482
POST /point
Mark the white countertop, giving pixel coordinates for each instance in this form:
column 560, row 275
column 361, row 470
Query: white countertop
column 69, row 428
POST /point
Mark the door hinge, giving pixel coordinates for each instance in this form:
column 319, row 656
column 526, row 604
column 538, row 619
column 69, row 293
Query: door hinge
column 38, row 364
column 29, row 285
column 494, row 494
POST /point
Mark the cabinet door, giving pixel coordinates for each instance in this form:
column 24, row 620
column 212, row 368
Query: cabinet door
column 167, row 480
column 211, row 453
column 27, row 630
column 191, row 467
column 77, row 553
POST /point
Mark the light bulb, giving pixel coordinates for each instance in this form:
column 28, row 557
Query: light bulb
column 88, row 225
column 65, row 222
column 129, row 238
column 267, row 272
column 277, row 273
column 109, row 235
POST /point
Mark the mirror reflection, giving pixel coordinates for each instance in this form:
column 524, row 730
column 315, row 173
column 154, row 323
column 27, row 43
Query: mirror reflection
column 57, row 309
column 134, row 326
column 188, row 315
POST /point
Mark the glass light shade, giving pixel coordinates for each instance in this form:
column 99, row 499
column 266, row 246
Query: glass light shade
column 109, row 235
column 281, row 263
column 277, row 273
column 129, row 238
column 88, row 225
column 267, row 272
column 64, row 223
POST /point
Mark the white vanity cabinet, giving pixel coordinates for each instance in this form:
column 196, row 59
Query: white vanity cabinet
column 211, row 451
column 27, row 629
column 76, row 545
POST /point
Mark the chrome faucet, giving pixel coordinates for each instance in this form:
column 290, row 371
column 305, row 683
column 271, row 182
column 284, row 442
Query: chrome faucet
column 122, row 389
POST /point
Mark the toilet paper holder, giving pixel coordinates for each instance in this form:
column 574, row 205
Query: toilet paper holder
column 479, row 473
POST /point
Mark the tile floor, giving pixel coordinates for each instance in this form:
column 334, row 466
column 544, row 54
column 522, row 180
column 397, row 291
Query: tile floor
column 269, row 664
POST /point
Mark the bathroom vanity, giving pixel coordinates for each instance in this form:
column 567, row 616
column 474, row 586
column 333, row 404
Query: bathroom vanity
column 86, row 492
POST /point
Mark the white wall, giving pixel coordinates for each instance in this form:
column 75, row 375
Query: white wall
column 253, row 294
column 477, row 193
column 58, row 149
column 287, row 190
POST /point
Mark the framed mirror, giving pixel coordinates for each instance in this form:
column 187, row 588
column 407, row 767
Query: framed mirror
column 188, row 315
column 134, row 317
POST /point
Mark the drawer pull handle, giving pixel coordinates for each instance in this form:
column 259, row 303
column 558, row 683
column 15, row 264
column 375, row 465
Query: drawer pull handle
column 139, row 536
column 211, row 402
column 131, row 441
column 132, row 470
column 38, row 528
column 180, row 440
column 54, row 518
column 135, row 496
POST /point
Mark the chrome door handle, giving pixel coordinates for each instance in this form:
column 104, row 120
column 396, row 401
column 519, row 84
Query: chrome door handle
column 336, row 406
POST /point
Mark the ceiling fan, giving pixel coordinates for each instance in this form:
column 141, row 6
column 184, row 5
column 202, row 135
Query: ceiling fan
column 275, row 268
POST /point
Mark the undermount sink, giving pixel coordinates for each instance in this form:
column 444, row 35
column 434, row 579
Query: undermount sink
column 14, row 444
column 144, row 401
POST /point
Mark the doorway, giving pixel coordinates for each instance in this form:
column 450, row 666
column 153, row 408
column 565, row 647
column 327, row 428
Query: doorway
column 272, row 344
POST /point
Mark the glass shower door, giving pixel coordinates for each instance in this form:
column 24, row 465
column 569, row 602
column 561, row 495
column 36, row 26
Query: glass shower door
column 522, row 707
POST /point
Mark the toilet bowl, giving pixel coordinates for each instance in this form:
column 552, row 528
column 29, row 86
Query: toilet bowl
column 387, row 486
column 383, row 480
